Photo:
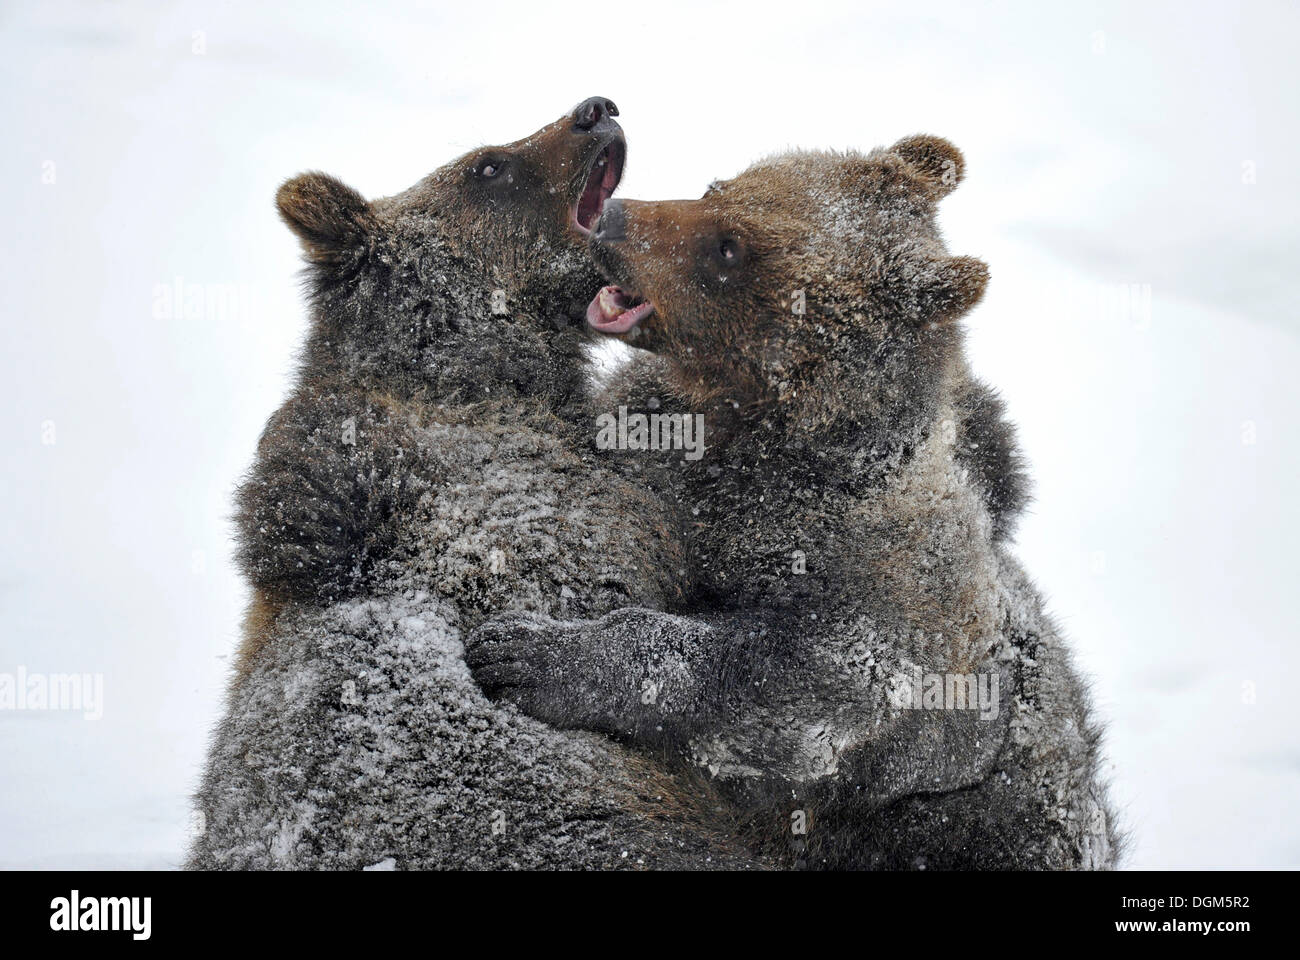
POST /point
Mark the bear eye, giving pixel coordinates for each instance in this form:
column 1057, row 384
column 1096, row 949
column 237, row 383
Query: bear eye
column 487, row 169
column 730, row 252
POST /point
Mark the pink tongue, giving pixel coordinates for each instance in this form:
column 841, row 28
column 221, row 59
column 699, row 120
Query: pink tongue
column 607, row 313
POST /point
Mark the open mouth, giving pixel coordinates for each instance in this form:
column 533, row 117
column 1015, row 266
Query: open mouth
column 606, row 170
column 616, row 311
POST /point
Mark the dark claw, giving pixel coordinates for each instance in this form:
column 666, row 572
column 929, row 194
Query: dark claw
column 496, row 642
column 495, row 678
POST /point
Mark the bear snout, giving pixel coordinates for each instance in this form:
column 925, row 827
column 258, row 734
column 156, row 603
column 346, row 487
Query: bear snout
column 591, row 112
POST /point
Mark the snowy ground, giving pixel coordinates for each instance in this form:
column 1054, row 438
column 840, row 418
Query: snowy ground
column 1131, row 183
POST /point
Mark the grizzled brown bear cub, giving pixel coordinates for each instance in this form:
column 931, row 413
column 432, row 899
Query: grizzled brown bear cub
column 849, row 545
column 422, row 474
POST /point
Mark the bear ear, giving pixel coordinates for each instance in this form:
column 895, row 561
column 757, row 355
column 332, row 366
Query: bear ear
column 952, row 287
column 938, row 164
column 332, row 220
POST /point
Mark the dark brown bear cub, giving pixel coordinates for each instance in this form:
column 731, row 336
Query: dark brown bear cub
column 422, row 475
column 863, row 665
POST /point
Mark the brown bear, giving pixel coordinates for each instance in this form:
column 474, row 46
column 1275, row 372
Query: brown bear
column 423, row 474
column 863, row 666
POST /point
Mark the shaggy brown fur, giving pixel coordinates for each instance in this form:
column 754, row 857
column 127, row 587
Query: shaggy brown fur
column 843, row 546
column 422, row 475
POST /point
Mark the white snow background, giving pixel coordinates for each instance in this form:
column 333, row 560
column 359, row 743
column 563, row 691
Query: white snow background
column 1131, row 182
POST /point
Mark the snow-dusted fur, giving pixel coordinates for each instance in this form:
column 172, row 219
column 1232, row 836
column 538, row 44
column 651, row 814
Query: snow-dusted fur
column 848, row 520
column 422, row 475
column 358, row 739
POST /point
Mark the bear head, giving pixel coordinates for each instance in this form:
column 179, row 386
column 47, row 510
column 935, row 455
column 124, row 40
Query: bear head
column 472, row 264
column 814, row 283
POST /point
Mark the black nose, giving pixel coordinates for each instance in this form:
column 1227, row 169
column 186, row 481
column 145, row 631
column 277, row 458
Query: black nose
column 593, row 110
column 612, row 224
